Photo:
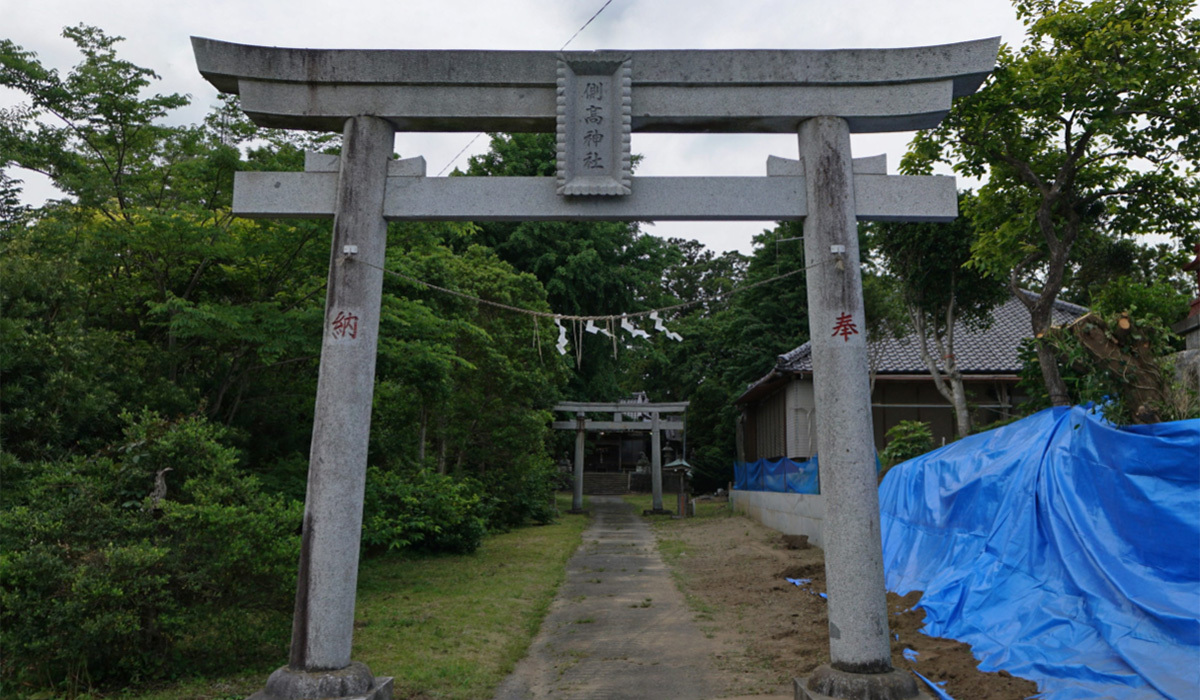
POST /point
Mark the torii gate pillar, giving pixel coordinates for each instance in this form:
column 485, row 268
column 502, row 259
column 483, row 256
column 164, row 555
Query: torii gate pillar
column 319, row 665
column 858, row 626
column 656, row 501
column 577, row 493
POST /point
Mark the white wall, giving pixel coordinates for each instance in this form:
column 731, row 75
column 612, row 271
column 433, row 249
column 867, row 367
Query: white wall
column 802, row 420
column 789, row 513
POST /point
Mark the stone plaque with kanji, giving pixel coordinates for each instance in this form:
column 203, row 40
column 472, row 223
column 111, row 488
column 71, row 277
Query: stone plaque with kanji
column 593, row 125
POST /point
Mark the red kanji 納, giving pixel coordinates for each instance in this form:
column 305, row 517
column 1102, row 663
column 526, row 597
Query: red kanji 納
column 344, row 325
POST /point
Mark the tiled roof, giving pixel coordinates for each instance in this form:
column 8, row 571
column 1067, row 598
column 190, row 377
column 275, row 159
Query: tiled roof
column 992, row 350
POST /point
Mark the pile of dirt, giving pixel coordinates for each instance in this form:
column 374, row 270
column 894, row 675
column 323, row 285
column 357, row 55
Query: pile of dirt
column 736, row 572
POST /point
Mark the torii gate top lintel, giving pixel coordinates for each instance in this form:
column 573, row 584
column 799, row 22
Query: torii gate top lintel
column 656, row 410
column 621, row 407
column 717, row 91
column 875, row 90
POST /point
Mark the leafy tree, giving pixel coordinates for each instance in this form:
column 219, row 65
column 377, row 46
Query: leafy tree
column 726, row 344
column 1122, row 355
column 699, row 273
column 587, row 269
column 927, row 262
column 1089, row 131
column 481, row 385
column 92, row 133
column 140, row 288
column 12, row 212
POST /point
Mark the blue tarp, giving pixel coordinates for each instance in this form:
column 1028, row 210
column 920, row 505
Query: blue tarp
column 779, row 475
column 1062, row 549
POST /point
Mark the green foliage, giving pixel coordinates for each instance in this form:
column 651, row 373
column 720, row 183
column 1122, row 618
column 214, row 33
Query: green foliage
column 522, row 493
column 1082, row 385
column 590, row 269
column 101, row 585
column 424, row 512
column 100, row 140
column 1114, row 386
column 1087, row 133
column 1156, row 301
column 906, row 440
column 141, row 289
column 927, row 262
column 699, row 273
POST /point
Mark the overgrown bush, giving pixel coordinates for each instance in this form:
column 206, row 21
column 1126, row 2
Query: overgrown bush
column 906, row 439
column 103, row 585
column 423, row 511
column 523, row 493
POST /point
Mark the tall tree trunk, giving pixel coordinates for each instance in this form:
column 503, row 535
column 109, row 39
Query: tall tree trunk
column 1055, row 386
column 1041, row 307
column 948, row 382
column 962, row 417
column 1039, row 315
column 424, row 423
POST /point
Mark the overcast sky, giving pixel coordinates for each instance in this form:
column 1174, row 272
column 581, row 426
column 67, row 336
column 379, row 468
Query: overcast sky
column 156, row 36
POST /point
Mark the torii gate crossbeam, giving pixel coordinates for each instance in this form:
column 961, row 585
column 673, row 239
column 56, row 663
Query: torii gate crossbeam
column 594, row 101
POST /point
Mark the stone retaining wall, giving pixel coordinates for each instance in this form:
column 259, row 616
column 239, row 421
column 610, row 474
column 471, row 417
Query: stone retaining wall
column 789, row 513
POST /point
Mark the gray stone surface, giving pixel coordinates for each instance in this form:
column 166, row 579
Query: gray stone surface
column 877, row 198
column 623, row 406
column 328, row 163
column 789, row 513
column 354, row 682
column 323, row 625
column 794, row 167
column 656, row 488
column 624, row 426
column 870, row 108
column 1187, row 368
column 673, row 91
column 858, row 626
column 618, row 628
column 577, row 493
column 593, row 125
column 826, row 683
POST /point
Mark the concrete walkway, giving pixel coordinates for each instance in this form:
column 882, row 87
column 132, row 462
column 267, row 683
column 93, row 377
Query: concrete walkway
column 619, row 627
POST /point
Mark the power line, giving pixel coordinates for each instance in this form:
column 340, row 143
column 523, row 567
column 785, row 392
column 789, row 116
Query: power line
column 464, row 150
column 585, row 24
column 577, row 33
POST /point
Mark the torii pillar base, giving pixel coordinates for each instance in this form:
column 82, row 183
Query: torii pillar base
column 828, row 683
column 354, row 682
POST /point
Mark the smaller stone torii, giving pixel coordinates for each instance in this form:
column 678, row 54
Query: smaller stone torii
column 593, row 101
column 654, row 426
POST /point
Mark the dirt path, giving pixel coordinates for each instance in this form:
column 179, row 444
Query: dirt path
column 736, row 569
column 619, row 627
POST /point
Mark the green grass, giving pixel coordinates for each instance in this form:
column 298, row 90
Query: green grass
column 704, row 509
column 446, row 626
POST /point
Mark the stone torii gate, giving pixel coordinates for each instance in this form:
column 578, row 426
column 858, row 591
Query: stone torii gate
column 593, row 101
column 655, row 426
